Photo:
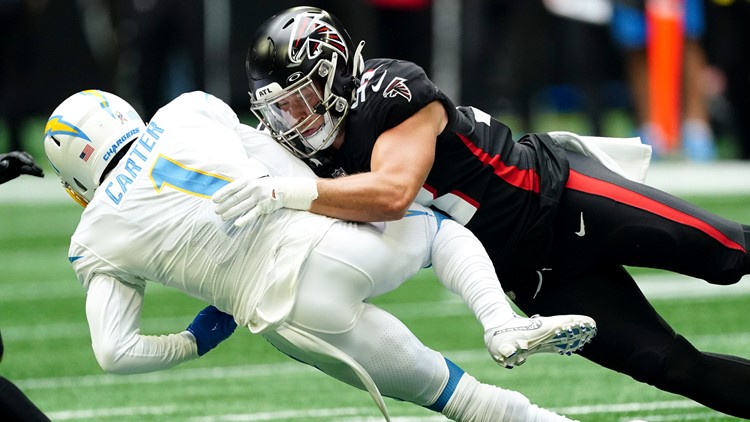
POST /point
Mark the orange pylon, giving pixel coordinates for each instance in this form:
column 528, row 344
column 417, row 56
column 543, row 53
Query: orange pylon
column 665, row 38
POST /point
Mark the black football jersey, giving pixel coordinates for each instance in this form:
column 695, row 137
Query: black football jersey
column 504, row 191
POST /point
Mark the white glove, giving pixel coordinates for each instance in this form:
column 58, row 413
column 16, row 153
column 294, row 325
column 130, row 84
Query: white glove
column 254, row 197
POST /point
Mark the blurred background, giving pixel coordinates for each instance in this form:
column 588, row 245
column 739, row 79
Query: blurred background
column 675, row 72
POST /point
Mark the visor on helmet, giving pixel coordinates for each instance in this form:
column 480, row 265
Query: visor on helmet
column 296, row 108
column 299, row 116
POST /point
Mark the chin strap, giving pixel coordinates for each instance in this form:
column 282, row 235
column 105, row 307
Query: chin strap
column 358, row 65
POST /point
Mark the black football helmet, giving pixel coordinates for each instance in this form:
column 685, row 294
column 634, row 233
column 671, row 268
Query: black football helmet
column 302, row 70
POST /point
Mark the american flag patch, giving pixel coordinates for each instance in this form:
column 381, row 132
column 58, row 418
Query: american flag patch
column 86, row 153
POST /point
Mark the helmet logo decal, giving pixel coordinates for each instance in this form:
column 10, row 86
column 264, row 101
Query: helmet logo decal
column 57, row 126
column 294, row 76
column 86, row 153
column 122, row 118
column 310, row 35
column 397, row 87
column 103, row 102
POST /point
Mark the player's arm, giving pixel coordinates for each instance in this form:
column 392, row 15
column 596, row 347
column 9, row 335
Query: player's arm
column 401, row 159
column 16, row 163
column 113, row 312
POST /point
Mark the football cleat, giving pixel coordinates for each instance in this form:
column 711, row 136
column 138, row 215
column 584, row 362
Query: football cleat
column 512, row 343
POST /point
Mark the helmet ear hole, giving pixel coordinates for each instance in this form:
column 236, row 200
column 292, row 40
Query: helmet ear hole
column 80, row 185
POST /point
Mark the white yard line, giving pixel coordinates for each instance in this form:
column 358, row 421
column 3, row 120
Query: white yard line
column 172, row 376
column 67, row 415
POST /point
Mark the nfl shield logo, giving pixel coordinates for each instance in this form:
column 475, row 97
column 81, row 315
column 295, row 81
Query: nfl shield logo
column 86, row 153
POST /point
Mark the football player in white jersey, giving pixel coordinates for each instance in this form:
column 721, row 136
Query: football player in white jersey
column 297, row 278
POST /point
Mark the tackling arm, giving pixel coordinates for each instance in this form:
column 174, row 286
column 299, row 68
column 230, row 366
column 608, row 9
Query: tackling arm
column 401, row 159
column 113, row 310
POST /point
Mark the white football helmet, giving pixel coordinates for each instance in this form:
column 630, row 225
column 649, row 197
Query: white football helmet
column 84, row 134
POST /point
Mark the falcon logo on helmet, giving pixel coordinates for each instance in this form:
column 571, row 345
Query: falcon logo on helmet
column 310, row 35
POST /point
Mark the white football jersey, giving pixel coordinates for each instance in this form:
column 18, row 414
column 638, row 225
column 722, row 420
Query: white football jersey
column 152, row 218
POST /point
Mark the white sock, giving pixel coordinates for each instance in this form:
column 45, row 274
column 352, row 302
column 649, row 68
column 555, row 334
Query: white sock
column 476, row 402
column 463, row 266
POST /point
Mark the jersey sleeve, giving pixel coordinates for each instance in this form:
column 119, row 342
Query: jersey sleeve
column 392, row 91
column 113, row 311
column 87, row 264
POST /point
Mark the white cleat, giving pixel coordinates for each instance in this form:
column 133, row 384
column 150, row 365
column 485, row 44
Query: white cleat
column 512, row 343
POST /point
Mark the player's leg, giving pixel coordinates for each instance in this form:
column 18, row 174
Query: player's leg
column 463, row 266
column 387, row 255
column 604, row 221
column 630, row 223
column 329, row 320
column 353, row 262
column 635, row 340
column 403, row 368
column 16, row 406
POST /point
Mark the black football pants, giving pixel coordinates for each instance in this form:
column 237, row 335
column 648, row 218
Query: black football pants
column 606, row 221
column 16, row 406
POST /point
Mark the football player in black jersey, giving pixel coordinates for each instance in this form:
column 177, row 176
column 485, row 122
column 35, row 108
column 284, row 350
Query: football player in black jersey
column 558, row 224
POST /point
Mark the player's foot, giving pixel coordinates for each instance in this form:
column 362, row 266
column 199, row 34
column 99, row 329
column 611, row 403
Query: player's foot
column 512, row 343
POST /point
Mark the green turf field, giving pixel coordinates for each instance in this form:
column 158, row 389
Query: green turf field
column 48, row 352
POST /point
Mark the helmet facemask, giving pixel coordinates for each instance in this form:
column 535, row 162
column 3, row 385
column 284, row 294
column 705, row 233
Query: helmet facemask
column 306, row 116
column 303, row 72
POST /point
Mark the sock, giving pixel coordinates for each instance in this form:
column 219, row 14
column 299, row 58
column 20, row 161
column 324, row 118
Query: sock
column 466, row 399
column 463, row 266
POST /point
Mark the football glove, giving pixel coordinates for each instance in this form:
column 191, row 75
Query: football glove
column 248, row 198
column 16, row 163
column 210, row 327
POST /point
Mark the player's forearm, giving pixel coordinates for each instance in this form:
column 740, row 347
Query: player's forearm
column 113, row 311
column 363, row 197
column 146, row 354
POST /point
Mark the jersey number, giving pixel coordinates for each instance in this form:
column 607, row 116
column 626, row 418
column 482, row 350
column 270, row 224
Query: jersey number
column 167, row 171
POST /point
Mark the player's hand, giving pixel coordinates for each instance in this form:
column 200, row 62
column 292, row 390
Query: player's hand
column 249, row 197
column 210, row 327
column 16, row 163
